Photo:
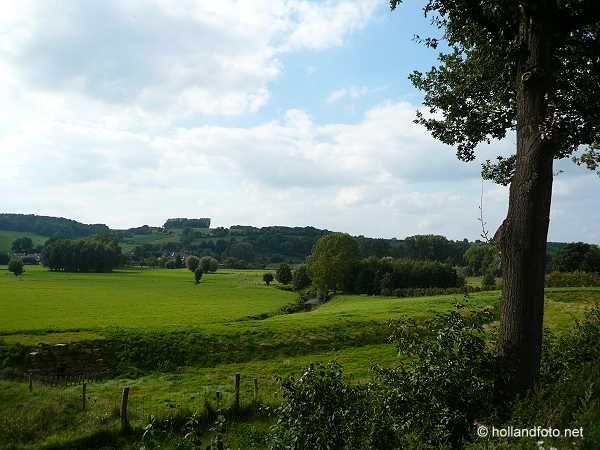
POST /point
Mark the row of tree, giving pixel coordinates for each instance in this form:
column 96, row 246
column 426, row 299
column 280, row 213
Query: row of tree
column 336, row 264
column 91, row 254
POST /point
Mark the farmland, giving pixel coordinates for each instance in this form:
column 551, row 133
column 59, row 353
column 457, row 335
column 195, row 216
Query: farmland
column 242, row 324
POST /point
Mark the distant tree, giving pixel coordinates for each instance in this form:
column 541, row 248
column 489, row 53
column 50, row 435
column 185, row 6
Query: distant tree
column 192, row 263
column 333, row 262
column 577, row 256
column 22, row 245
column 301, row 279
column 479, row 256
column 214, row 265
column 4, row 258
column 268, row 278
column 241, row 250
column 15, row 265
column 284, row 274
column 92, row 254
column 198, row 274
column 209, row 264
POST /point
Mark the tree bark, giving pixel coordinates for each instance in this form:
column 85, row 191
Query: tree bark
column 523, row 234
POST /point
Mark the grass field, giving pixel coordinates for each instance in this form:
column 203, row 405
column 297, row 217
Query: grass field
column 234, row 308
column 56, row 301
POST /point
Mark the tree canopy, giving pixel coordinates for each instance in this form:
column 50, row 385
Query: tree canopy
column 471, row 96
column 333, row 261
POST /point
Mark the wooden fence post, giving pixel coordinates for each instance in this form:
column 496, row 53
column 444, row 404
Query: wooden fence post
column 124, row 420
column 83, row 396
column 218, row 398
column 30, row 383
column 237, row 391
column 255, row 390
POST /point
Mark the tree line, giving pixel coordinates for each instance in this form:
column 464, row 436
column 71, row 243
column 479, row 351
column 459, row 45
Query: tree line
column 58, row 227
column 91, row 254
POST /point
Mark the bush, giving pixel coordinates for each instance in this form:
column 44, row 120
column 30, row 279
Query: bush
column 322, row 411
column 430, row 401
column 15, row 265
column 572, row 279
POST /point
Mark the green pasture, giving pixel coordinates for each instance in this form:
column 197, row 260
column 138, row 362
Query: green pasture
column 230, row 306
column 58, row 307
column 139, row 299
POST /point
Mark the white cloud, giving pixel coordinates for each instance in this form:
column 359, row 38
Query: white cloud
column 95, row 99
column 352, row 92
column 170, row 58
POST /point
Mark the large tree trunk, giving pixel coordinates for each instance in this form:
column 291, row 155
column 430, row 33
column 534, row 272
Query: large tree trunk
column 523, row 234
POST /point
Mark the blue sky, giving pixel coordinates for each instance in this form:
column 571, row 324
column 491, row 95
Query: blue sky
column 256, row 112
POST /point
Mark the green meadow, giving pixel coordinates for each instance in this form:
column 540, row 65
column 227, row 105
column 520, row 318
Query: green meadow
column 241, row 324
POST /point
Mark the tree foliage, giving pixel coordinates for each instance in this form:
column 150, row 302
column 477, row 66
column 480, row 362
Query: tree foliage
column 55, row 227
column 577, row 256
column 268, row 278
column 192, row 262
column 283, row 274
column 471, row 96
column 333, row 261
column 15, row 265
column 209, row 264
column 301, row 279
column 22, row 245
column 91, row 254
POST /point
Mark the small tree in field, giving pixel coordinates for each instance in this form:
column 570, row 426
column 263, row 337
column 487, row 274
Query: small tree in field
column 209, row 264
column 284, row 274
column 198, row 275
column 192, row 262
column 268, row 278
column 15, row 265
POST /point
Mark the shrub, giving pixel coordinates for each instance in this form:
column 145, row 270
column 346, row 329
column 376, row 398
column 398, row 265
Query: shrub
column 430, row 401
column 322, row 411
column 15, row 265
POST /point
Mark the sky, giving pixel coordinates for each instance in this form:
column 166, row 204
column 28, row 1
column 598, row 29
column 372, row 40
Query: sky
column 261, row 112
